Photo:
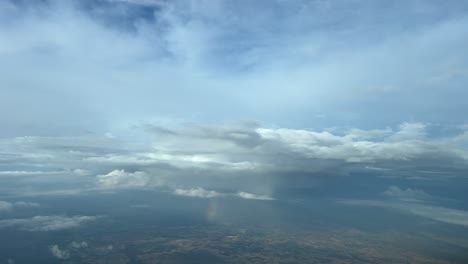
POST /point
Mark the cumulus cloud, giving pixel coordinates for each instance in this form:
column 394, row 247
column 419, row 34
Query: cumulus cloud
column 46, row 223
column 58, row 253
column 196, row 192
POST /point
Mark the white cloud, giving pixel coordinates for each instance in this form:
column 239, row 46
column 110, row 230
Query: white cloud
column 202, row 193
column 325, row 145
column 197, row 192
column 123, row 179
column 47, row 223
column 246, row 195
column 58, row 253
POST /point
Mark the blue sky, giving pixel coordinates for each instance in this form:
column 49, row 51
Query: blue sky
column 299, row 64
column 242, row 98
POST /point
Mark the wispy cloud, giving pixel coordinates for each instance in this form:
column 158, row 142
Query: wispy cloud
column 416, row 202
column 46, row 223
column 7, row 206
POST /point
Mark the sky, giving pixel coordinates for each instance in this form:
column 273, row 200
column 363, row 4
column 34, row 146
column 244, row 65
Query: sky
column 359, row 101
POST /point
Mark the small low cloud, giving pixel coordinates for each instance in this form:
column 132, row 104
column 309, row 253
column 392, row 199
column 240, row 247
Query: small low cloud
column 46, row 223
column 252, row 196
column 78, row 245
column 58, row 253
column 26, row 204
column 411, row 195
column 5, row 206
column 8, row 206
column 196, row 192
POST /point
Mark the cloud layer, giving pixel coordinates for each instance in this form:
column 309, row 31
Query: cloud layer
column 238, row 157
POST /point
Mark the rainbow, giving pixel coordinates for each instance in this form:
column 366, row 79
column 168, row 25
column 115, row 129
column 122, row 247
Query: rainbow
column 211, row 210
